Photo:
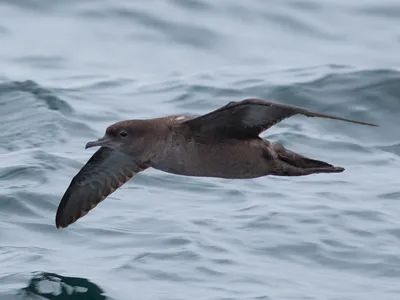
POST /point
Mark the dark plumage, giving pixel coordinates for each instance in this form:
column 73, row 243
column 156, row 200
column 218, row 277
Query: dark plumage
column 224, row 143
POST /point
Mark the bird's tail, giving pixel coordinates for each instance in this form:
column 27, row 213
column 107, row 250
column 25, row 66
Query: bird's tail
column 293, row 164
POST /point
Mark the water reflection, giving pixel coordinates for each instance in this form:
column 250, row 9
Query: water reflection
column 56, row 287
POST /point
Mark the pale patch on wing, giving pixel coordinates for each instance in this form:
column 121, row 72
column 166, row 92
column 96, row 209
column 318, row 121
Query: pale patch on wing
column 178, row 119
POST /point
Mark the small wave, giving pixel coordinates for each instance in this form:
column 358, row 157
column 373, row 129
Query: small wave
column 43, row 94
column 34, row 116
column 41, row 62
column 179, row 32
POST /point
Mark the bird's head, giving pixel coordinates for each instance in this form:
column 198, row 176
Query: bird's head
column 124, row 136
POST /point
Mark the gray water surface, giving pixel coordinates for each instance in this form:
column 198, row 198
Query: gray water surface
column 68, row 69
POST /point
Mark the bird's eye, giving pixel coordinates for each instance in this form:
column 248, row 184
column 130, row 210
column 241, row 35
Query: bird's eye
column 123, row 133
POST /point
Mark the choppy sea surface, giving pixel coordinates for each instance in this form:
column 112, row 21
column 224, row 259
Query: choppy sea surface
column 68, row 69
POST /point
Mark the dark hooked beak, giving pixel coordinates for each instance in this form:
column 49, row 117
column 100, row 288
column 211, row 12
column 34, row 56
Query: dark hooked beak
column 100, row 142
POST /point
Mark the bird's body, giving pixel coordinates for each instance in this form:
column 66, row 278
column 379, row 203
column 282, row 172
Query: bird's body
column 179, row 152
column 193, row 156
column 224, row 143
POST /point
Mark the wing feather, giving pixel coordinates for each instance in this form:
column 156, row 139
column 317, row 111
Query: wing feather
column 250, row 117
column 104, row 173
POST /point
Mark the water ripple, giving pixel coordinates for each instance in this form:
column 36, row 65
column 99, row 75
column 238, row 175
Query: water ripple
column 69, row 69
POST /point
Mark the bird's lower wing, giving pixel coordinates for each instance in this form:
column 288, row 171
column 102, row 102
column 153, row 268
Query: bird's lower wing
column 105, row 172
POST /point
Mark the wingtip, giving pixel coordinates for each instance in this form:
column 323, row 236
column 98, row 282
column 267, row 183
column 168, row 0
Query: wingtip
column 62, row 221
column 62, row 225
column 58, row 218
column 369, row 124
column 59, row 224
column 59, row 227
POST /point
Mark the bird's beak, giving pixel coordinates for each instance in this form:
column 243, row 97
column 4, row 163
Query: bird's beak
column 100, row 142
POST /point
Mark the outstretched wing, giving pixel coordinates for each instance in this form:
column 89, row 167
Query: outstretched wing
column 250, row 117
column 105, row 172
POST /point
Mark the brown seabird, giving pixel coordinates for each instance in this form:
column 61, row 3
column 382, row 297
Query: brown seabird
column 224, row 143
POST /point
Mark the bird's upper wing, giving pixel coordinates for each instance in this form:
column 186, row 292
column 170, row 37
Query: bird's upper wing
column 105, row 171
column 250, row 117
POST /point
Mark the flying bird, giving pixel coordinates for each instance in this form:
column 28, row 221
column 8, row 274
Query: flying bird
column 224, row 143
